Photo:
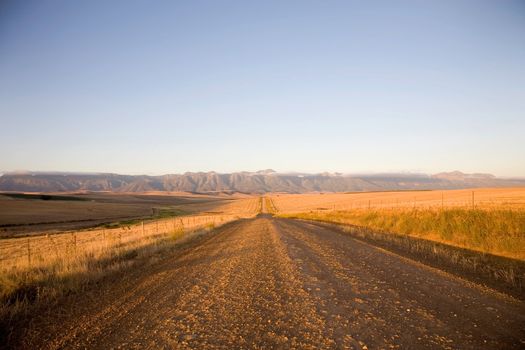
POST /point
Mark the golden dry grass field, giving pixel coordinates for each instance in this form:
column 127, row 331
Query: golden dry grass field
column 486, row 220
column 508, row 198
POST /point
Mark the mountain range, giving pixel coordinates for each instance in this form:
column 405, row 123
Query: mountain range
column 247, row 182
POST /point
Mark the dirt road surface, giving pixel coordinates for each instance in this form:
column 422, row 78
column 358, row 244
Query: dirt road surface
column 274, row 283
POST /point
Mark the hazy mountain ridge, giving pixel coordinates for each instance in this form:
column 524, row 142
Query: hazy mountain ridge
column 246, row 182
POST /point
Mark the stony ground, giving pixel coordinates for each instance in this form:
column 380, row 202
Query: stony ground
column 276, row 283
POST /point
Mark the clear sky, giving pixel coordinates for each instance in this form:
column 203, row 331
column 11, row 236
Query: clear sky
column 158, row 87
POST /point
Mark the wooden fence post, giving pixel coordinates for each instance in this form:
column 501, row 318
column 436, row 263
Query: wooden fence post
column 28, row 253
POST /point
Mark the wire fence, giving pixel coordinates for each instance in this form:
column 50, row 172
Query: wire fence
column 42, row 251
column 328, row 202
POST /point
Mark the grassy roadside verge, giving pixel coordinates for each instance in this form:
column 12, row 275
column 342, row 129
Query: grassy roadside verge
column 457, row 241
column 497, row 231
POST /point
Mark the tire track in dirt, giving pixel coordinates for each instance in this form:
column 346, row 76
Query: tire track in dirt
column 111, row 315
column 392, row 301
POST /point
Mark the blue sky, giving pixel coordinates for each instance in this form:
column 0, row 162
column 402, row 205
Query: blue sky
column 160, row 87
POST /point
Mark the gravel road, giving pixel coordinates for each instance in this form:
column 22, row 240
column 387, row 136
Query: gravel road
column 278, row 283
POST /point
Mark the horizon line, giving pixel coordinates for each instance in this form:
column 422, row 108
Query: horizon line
column 262, row 172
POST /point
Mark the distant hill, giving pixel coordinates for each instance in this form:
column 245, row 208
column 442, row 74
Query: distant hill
column 247, row 182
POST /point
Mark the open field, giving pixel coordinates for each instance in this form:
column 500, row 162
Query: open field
column 23, row 214
column 486, row 220
column 500, row 198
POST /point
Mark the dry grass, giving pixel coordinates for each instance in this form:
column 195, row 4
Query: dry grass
column 494, row 222
column 35, row 269
column 496, row 231
column 485, row 198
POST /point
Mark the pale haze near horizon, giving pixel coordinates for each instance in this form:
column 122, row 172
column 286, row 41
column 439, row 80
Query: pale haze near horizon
column 138, row 87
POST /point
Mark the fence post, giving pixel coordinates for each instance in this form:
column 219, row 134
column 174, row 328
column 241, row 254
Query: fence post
column 28, row 253
column 75, row 242
column 472, row 199
column 143, row 228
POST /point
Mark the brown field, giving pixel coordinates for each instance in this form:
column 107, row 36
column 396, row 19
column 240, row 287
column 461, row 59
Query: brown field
column 23, row 214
